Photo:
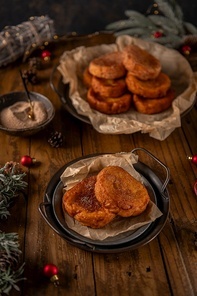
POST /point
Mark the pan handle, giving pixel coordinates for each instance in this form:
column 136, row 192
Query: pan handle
column 162, row 164
column 42, row 207
column 42, row 210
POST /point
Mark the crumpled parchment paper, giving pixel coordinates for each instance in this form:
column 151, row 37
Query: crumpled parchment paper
column 86, row 167
column 159, row 126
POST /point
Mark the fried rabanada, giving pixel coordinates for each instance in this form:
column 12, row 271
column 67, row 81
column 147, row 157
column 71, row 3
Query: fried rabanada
column 97, row 200
column 131, row 78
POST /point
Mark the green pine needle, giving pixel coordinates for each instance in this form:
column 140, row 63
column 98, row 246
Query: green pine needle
column 169, row 22
column 10, row 278
column 9, row 257
column 9, row 243
column 11, row 184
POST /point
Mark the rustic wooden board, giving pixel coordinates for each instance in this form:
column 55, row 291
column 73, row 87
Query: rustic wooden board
column 165, row 266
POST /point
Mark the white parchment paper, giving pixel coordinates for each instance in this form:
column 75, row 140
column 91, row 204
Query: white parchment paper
column 159, row 126
column 86, row 167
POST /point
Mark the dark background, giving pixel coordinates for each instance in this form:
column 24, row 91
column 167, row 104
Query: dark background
column 81, row 16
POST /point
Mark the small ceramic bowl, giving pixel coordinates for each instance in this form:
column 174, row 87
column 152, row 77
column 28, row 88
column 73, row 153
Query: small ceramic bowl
column 11, row 98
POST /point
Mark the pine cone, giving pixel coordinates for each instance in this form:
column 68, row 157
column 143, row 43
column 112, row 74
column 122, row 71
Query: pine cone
column 56, row 139
column 35, row 63
column 190, row 40
column 12, row 167
column 30, row 76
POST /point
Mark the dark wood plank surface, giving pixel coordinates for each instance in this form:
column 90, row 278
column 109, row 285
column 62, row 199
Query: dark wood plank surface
column 165, row 266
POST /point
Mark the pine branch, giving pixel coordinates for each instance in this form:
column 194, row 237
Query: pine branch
column 171, row 41
column 190, row 29
column 4, row 205
column 136, row 32
column 166, row 26
column 139, row 17
column 168, row 9
column 172, row 12
column 10, row 278
column 11, row 183
column 130, row 23
column 169, row 22
column 9, row 244
column 9, row 257
column 178, row 11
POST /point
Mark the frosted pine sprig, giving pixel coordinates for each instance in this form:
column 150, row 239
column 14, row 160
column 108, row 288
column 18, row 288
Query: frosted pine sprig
column 168, row 21
column 10, row 274
column 11, row 183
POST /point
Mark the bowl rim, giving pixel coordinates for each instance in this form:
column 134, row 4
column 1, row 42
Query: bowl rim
column 34, row 128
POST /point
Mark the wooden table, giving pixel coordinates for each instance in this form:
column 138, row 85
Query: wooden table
column 167, row 265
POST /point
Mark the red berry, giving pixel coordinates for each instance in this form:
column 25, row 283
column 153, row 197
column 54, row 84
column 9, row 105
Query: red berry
column 194, row 159
column 158, row 34
column 46, row 55
column 186, row 49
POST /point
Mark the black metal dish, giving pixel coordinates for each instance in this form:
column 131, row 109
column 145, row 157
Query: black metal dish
column 56, row 200
column 51, row 211
column 62, row 91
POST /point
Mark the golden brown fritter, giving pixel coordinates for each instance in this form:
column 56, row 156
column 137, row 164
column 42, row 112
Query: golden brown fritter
column 153, row 88
column 121, row 193
column 109, row 105
column 153, row 106
column 108, row 66
column 140, row 62
column 81, row 203
column 87, row 77
column 109, row 87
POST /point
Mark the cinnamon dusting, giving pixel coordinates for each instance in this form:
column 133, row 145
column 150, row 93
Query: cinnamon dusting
column 16, row 115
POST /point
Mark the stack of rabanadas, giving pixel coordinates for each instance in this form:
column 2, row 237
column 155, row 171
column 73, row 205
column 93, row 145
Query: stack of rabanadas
column 132, row 77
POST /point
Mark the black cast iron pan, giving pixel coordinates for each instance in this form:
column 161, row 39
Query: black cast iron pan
column 62, row 90
column 51, row 211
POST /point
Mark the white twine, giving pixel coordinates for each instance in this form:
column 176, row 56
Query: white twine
column 16, row 40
